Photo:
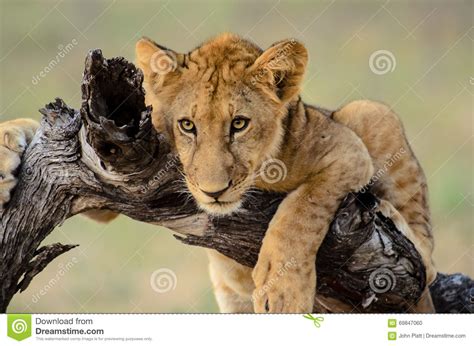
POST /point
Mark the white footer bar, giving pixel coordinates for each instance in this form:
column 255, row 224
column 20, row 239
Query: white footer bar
column 239, row 330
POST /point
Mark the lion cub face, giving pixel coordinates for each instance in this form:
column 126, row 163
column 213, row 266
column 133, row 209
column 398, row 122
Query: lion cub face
column 222, row 106
column 222, row 134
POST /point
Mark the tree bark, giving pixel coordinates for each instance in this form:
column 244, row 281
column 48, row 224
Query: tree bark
column 108, row 156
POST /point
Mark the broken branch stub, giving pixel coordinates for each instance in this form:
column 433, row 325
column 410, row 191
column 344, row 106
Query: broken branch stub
column 118, row 123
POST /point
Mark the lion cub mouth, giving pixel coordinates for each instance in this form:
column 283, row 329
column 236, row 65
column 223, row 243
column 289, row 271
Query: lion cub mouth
column 220, row 207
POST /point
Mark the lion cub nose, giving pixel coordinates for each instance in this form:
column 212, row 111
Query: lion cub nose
column 217, row 194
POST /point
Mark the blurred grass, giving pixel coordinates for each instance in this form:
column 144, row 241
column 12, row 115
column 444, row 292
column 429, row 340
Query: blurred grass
column 431, row 88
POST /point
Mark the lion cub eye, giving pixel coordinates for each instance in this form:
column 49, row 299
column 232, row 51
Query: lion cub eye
column 187, row 126
column 239, row 124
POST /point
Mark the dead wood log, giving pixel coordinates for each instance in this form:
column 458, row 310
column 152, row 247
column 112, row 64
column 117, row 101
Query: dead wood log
column 108, row 156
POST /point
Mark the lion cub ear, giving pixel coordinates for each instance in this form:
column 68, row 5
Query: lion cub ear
column 282, row 66
column 155, row 60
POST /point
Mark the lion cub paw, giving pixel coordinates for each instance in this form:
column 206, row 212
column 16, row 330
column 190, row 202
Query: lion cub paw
column 9, row 161
column 282, row 284
column 15, row 136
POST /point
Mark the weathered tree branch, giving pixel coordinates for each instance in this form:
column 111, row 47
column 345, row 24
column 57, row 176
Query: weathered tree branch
column 109, row 156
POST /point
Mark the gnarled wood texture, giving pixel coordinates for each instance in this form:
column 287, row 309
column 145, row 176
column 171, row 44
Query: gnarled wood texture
column 107, row 155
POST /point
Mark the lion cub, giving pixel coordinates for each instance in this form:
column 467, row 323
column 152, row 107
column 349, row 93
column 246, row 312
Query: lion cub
column 234, row 114
column 233, row 111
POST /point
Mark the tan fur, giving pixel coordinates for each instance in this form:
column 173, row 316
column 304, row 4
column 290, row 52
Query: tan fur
column 402, row 181
column 232, row 283
column 325, row 157
column 103, row 216
column 14, row 138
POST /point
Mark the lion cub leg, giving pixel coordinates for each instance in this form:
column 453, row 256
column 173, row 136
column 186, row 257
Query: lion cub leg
column 425, row 303
column 285, row 274
column 232, row 284
column 15, row 135
column 398, row 176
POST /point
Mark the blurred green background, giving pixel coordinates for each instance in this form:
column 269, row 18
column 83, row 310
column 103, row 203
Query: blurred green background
column 430, row 83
